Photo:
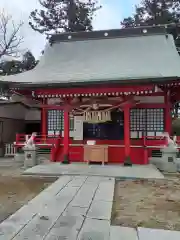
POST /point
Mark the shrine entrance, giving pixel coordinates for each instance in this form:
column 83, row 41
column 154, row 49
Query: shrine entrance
column 110, row 130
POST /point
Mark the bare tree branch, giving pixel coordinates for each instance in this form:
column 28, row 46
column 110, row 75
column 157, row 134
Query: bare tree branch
column 10, row 39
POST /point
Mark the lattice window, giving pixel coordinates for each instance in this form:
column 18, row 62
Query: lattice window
column 138, row 119
column 56, row 121
column 155, row 121
column 137, row 122
column 146, row 121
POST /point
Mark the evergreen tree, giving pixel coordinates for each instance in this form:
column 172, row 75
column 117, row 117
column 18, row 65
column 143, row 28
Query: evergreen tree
column 154, row 12
column 10, row 67
column 29, row 61
column 63, row 16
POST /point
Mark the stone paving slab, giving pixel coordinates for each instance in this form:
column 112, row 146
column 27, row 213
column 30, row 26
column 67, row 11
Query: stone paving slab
column 117, row 171
column 123, row 233
column 75, row 211
column 66, row 227
column 15, row 223
column 62, row 234
column 24, row 215
column 95, row 179
column 77, row 181
column 159, row 234
column 85, row 195
column 105, row 191
column 52, row 190
column 95, row 229
column 47, row 215
column 100, row 210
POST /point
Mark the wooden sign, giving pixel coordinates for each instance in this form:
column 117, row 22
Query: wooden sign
column 78, row 127
column 97, row 116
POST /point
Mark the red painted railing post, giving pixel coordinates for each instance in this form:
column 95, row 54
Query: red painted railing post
column 44, row 122
column 145, row 150
column 17, row 138
column 167, row 114
column 66, row 135
column 127, row 133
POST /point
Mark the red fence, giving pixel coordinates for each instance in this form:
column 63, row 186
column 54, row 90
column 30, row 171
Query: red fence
column 42, row 140
column 141, row 149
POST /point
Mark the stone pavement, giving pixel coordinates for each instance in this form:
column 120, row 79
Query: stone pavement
column 74, row 208
column 117, row 171
column 71, row 208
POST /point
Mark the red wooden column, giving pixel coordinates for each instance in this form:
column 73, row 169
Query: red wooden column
column 44, row 121
column 66, row 136
column 167, row 119
column 127, row 134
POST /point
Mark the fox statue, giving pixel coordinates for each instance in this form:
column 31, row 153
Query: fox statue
column 30, row 141
column 169, row 140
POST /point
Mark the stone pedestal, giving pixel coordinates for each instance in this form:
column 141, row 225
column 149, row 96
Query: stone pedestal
column 30, row 156
column 19, row 159
column 169, row 158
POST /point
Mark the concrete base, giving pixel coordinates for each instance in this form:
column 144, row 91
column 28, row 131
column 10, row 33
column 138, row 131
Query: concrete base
column 19, row 159
column 66, row 159
column 117, row 171
column 30, row 158
column 169, row 167
column 127, row 162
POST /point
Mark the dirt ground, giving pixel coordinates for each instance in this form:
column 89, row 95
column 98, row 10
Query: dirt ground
column 148, row 203
column 16, row 190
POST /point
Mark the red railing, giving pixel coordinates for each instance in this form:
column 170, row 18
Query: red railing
column 140, row 147
column 48, row 140
column 39, row 139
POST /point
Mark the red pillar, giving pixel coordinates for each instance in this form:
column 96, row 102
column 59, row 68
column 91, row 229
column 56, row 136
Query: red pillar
column 44, row 121
column 127, row 134
column 145, row 150
column 66, row 136
column 167, row 113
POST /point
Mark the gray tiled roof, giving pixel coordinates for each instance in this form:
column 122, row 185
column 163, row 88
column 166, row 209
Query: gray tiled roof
column 133, row 57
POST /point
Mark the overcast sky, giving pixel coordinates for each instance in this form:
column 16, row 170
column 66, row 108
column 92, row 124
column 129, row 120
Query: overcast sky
column 112, row 12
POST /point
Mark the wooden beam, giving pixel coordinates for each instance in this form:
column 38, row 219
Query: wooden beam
column 94, row 90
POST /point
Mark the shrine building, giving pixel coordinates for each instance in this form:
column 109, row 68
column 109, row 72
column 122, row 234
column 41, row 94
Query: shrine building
column 112, row 89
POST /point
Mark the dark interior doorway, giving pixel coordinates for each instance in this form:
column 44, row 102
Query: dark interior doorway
column 31, row 127
column 112, row 130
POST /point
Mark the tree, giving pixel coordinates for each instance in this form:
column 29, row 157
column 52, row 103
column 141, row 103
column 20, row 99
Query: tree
column 63, row 16
column 29, row 61
column 16, row 66
column 10, row 67
column 157, row 12
column 154, row 12
column 9, row 35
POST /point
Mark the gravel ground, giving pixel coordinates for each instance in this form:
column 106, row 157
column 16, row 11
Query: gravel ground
column 16, row 190
column 148, row 203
